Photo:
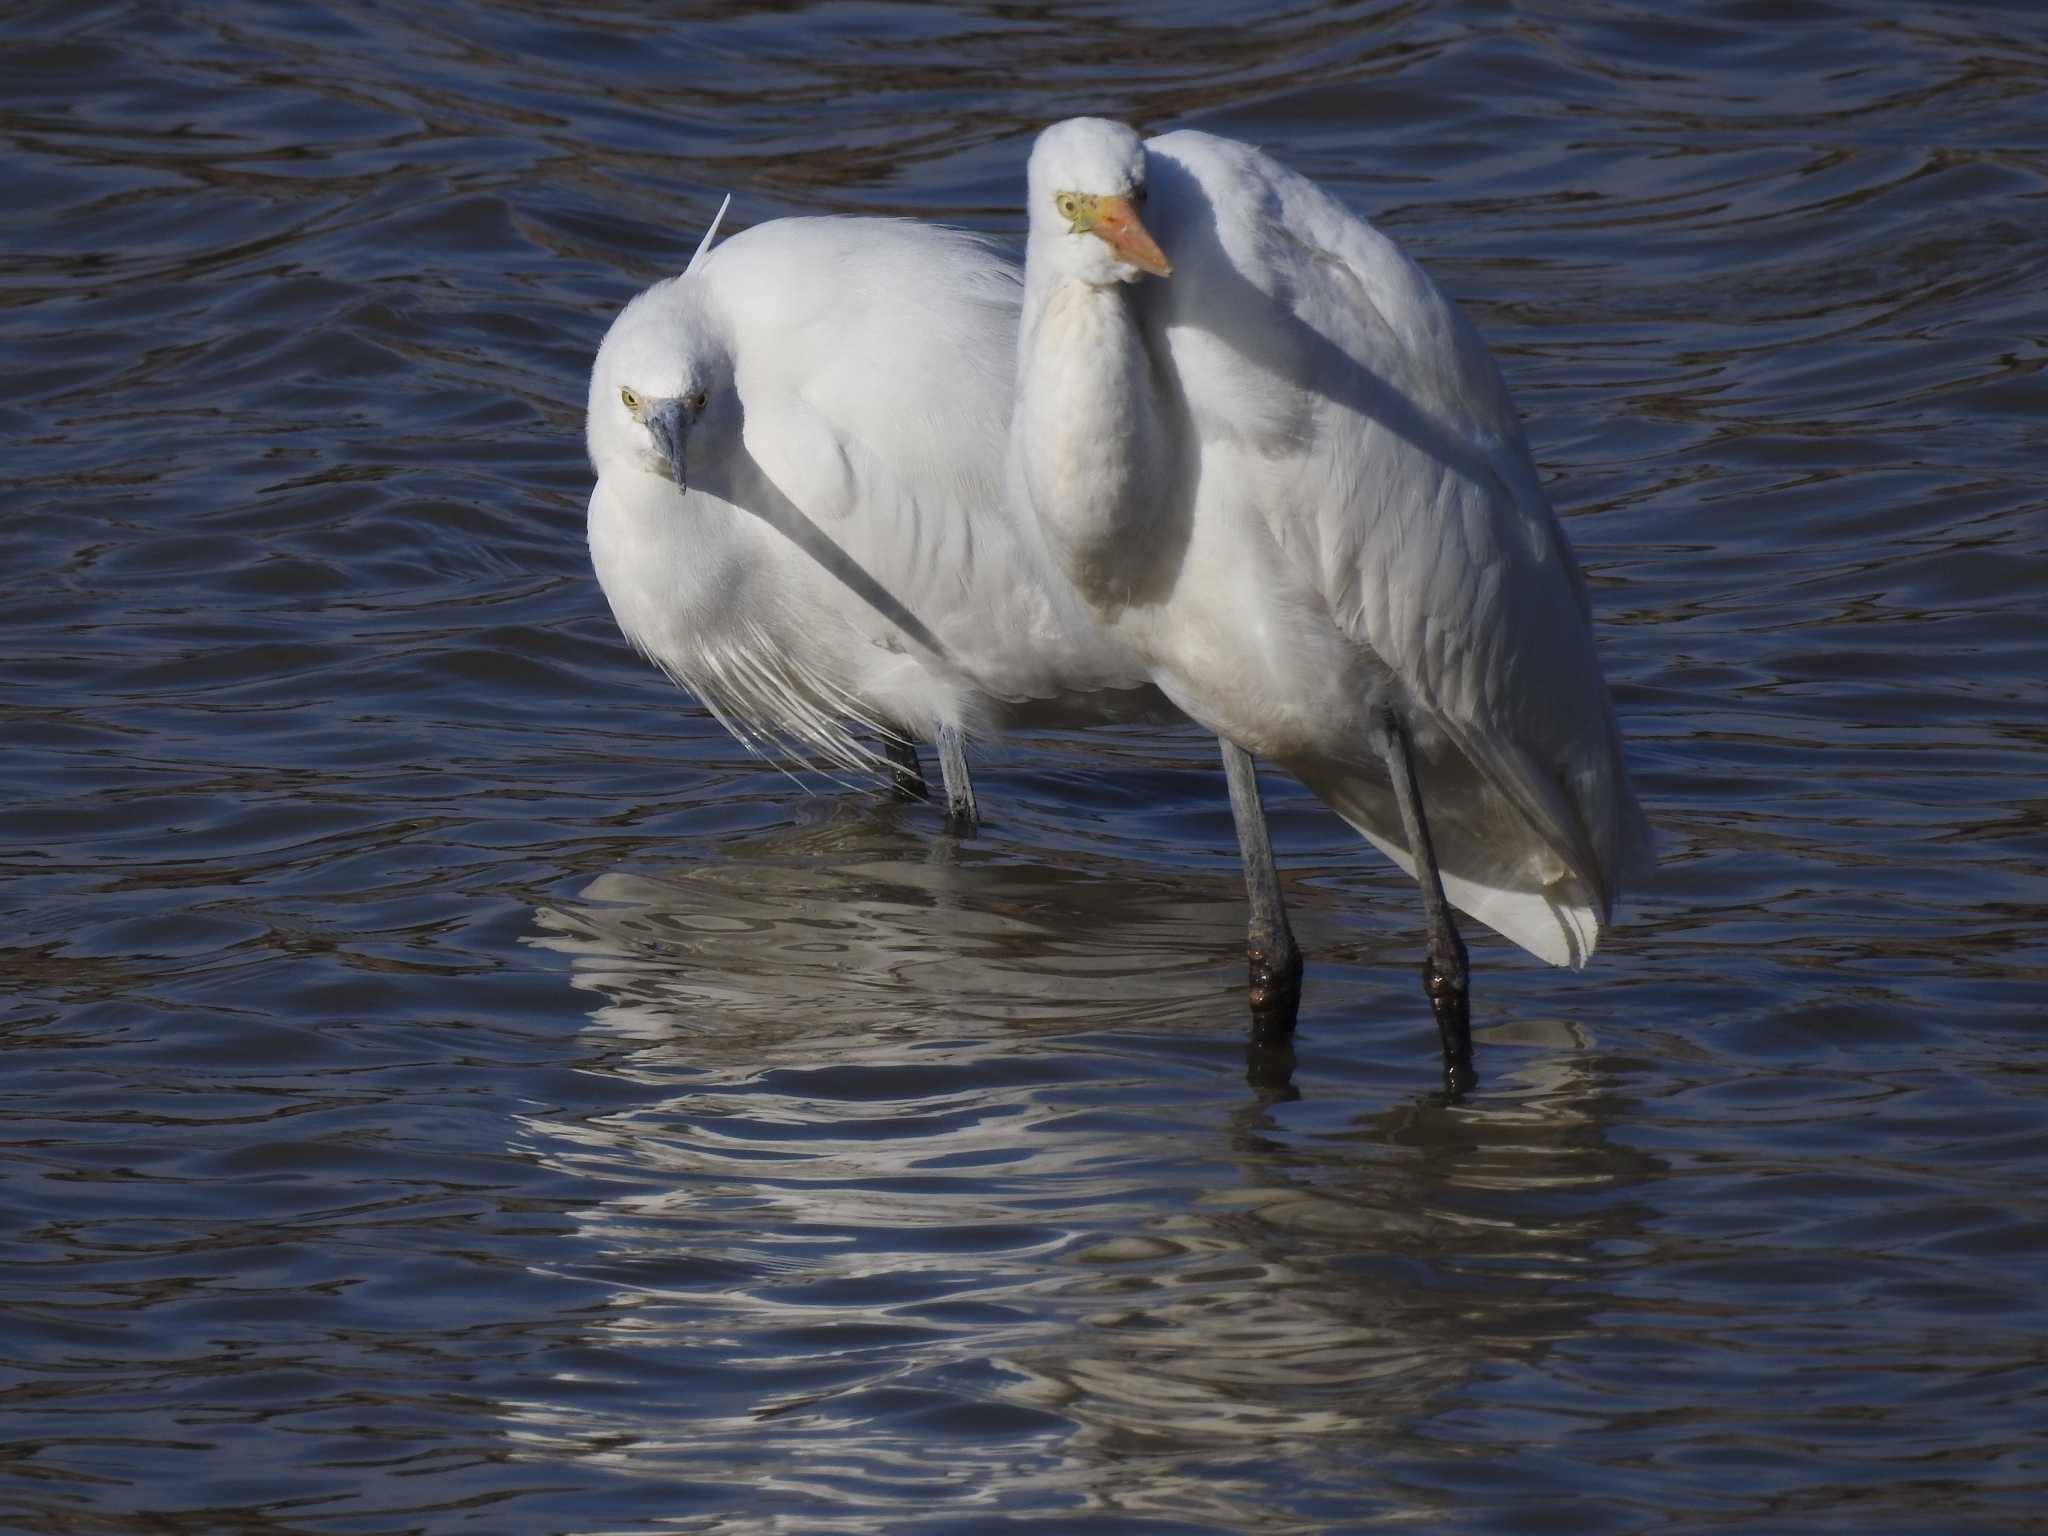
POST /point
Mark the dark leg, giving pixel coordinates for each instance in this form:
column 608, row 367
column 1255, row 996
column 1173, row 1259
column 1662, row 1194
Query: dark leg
column 1269, row 1067
column 1445, row 975
column 961, row 814
column 908, row 779
column 1270, row 950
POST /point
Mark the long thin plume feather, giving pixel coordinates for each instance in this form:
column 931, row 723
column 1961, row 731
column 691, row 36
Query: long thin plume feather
column 704, row 245
column 779, row 712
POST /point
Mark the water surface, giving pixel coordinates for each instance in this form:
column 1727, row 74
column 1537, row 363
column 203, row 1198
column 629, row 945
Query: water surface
column 450, row 1085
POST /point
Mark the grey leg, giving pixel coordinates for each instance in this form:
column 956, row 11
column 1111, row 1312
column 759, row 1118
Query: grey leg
column 1273, row 958
column 908, row 779
column 1445, row 976
column 960, row 809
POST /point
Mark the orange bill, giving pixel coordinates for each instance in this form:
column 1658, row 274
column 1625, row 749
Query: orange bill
column 1116, row 221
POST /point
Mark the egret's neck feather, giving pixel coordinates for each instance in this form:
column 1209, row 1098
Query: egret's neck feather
column 1091, row 437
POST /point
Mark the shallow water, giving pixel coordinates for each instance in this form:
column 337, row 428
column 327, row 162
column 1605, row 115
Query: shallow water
column 450, row 1085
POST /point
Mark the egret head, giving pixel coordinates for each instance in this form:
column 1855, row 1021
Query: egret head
column 1087, row 184
column 661, row 390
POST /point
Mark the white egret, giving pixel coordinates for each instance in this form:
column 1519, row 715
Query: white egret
column 799, row 511
column 1285, row 468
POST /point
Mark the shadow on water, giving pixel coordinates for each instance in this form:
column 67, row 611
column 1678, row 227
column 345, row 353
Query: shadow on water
column 944, row 1149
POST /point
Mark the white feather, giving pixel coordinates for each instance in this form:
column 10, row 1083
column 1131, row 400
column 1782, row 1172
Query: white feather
column 1342, row 514
column 704, row 245
column 844, row 564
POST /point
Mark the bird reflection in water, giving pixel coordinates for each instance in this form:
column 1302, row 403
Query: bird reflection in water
column 888, row 1171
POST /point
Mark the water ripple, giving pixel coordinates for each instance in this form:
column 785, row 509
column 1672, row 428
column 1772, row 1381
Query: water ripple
column 452, row 1085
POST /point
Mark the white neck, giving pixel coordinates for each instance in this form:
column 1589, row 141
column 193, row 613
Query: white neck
column 1089, row 434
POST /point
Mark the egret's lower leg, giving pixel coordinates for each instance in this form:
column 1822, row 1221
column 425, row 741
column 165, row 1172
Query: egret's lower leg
column 961, row 815
column 1445, row 974
column 907, row 779
column 1273, row 958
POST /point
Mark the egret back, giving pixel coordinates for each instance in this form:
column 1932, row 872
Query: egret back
column 1342, row 399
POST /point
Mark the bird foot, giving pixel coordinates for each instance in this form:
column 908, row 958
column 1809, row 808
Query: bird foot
column 1274, row 991
column 1451, row 1002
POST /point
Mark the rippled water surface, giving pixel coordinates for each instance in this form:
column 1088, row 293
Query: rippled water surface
column 449, row 1084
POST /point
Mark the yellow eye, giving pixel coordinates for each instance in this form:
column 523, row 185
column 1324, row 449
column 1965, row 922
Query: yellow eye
column 1069, row 206
column 630, row 401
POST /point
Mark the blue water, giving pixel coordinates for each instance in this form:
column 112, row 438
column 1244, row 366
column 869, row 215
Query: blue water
column 449, row 1085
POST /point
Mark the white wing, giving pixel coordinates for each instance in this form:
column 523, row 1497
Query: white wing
column 1391, row 468
column 875, row 363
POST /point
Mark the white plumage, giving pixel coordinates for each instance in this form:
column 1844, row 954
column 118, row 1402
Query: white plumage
column 1288, row 473
column 799, row 510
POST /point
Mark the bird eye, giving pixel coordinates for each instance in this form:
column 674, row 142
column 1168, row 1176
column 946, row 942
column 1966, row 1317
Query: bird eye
column 696, row 401
column 630, row 401
column 1068, row 204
